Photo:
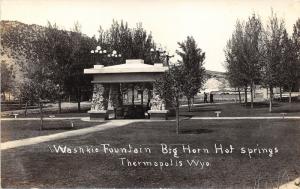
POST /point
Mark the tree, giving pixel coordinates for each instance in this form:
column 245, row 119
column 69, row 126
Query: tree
column 296, row 37
column 38, row 84
column 68, row 54
column 289, row 64
column 296, row 47
column 272, row 54
column 25, row 43
column 293, row 59
column 57, row 53
column 243, row 54
column 252, row 51
column 192, row 64
column 7, row 78
column 232, row 68
column 79, row 58
column 131, row 43
column 235, row 63
column 27, row 93
column 170, row 88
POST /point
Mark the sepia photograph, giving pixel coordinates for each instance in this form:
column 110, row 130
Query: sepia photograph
column 150, row 94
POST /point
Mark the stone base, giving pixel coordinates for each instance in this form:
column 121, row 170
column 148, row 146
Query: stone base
column 98, row 115
column 158, row 114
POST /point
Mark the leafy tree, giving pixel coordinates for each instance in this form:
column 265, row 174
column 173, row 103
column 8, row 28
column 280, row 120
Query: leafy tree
column 294, row 63
column 27, row 93
column 68, row 54
column 131, row 43
column 235, row 62
column 192, row 64
column 252, row 51
column 272, row 54
column 79, row 58
column 57, row 53
column 7, row 78
column 296, row 46
column 296, row 37
column 37, row 85
column 170, row 88
column 289, row 64
column 25, row 43
column 243, row 55
column 232, row 68
column 39, row 82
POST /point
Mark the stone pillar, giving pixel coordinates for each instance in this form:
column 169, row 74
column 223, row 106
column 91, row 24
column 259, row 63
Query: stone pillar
column 158, row 107
column 98, row 108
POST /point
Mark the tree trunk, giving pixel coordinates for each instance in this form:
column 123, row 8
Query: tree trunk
column 25, row 111
column 193, row 101
column 290, row 95
column 280, row 93
column 78, row 99
column 251, row 93
column 240, row 98
column 189, row 104
column 41, row 115
column 271, row 99
column 20, row 103
column 59, row 104
column 177, row 120
column 246, row 99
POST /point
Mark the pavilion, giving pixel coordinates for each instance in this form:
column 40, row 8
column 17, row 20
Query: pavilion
column 127, row 89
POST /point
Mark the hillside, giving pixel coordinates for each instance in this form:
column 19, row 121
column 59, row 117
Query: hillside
column 216, row 81
column 215, row 73
column 15, row 34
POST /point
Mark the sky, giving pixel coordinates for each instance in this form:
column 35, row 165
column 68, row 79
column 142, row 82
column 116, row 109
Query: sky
column 211, row 23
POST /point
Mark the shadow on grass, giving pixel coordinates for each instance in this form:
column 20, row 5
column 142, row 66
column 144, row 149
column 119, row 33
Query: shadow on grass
column 259, row 104
column 201, row 109
column 286, row 111
column 59, row 128
column 196, row 131
column 208, row 109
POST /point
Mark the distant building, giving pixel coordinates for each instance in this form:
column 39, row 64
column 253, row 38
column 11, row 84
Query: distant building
column 217, row 83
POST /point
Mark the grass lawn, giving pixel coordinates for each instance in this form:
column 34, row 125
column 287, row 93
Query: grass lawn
column 82, row 113
column 237, row 110
column 14, row 130
column 36, row 166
